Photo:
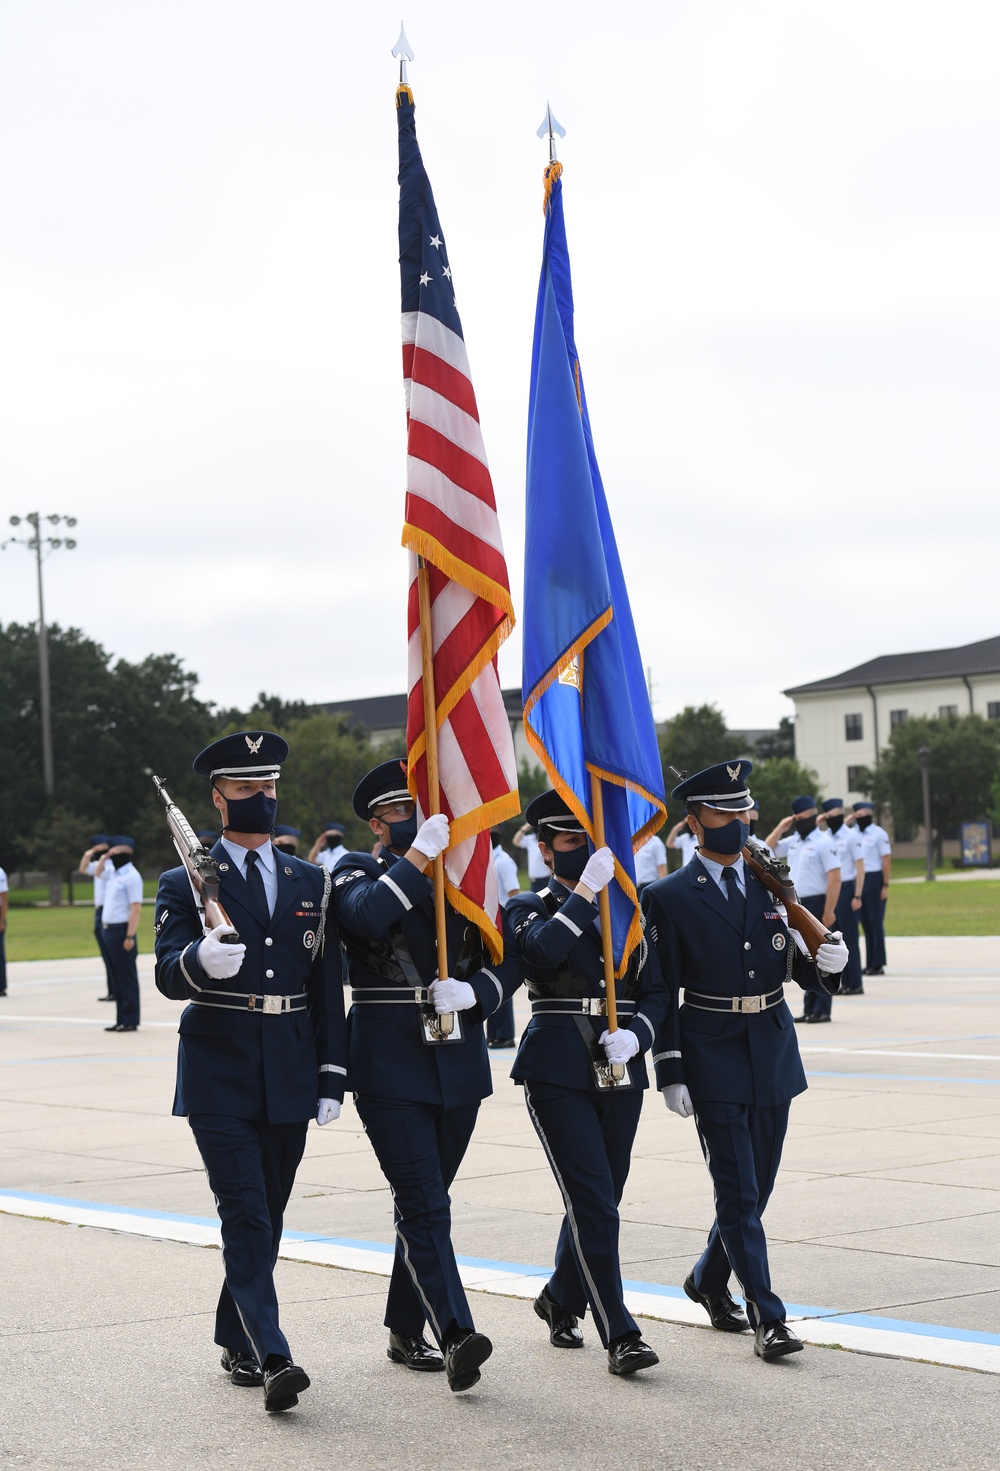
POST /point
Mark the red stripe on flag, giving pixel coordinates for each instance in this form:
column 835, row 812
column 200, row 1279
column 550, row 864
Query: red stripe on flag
column 462, row 544
column 463, row 469
column 440, row 376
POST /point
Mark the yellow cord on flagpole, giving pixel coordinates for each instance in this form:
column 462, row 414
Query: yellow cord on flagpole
column 551, row 174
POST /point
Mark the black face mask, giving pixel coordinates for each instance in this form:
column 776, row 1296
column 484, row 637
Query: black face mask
column 752, row 826
column 120, row 859
column 865, row 821
column 401, row 834
column 287, row 845
column 835, row 824
column 726, row 840
column 254, row 814
column 336, row 840
column 570, row 863
column 805, row 826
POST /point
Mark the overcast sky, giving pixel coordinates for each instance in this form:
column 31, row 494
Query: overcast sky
column 785, row 233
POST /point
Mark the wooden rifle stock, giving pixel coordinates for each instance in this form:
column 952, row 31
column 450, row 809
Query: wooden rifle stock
column 774, row 875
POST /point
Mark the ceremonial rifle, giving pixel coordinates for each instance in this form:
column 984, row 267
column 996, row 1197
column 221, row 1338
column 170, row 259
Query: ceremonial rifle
column 202, row 869
column 774, row 874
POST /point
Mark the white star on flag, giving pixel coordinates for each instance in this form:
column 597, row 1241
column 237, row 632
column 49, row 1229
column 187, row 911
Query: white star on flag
column 425, row 280
column 436, row 241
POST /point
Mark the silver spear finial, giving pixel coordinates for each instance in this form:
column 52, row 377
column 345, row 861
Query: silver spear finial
column 553, row 128
column 403, row 50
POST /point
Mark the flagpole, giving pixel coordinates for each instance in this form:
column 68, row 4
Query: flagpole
column 433, row 780
column 604, row 906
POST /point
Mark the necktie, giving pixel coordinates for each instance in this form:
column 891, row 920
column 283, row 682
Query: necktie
column 736, row 899
column 255, row 884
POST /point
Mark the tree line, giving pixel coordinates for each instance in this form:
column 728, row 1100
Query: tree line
column 115, row 724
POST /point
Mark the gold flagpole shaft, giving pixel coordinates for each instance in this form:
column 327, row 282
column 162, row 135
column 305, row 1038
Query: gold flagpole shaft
column 604, row 906
column 433, row 780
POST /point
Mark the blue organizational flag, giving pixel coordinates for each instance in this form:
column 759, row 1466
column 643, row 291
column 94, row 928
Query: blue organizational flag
column 586, row 708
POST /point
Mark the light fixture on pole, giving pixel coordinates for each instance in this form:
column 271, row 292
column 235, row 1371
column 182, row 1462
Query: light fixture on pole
column 43, row 546
column 925, row 781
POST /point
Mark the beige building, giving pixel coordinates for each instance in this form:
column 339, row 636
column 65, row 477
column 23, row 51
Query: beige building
column 842, row 723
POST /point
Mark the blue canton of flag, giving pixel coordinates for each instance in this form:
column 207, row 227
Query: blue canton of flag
column 586, row 708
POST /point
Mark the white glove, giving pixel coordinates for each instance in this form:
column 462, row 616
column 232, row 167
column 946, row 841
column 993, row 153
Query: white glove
column 327, row 1110
column 832, row 955
column 449, row 995
column 619, row 1046
column 433, row 836
column 219, row 961
column 678, row 1099
column 600, row 870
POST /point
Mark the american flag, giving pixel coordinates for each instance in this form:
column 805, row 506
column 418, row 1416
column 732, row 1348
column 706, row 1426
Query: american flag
column 451, row 522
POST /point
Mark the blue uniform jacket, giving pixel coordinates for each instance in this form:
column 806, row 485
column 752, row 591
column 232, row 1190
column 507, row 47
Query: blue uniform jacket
column 250, row 1064
column 725, row 1057
column 387, row 1055
column 552, row 1049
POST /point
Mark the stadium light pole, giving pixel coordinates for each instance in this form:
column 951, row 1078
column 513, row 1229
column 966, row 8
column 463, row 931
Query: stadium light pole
column 925, row 781
column 35, row 543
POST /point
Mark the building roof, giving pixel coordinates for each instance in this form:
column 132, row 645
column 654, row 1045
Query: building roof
column 968, row 659
column 388, row 712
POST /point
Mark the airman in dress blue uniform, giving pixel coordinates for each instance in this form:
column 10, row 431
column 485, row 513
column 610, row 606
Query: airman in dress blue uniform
column 262, row 1042
column 728, row 1053
column 586, row 1130
column 417, row 1087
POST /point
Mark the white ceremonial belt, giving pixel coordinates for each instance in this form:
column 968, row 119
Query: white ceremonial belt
column 747, row 1005
column 265, row 1005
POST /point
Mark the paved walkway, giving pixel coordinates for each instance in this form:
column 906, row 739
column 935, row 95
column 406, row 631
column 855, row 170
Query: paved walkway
column 884, row 1231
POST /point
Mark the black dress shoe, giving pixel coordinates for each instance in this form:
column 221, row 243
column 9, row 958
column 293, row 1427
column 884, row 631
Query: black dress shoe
column 122, row 1027
column 242, row 1368
column 802, row 1018
column 500, row 1042
column 773, row 1340
column 283, row 1383
column 563, row 1329
column 108, row 997
column 628, row 1354
column 874, row 970
column 814, row 1019
column 414, row 1352
column 726, row 1315
column 462, row 1357
column 851, row 991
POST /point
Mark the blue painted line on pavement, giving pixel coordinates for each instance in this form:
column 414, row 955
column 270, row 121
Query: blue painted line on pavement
column 653, row 1289
column 907, row 1078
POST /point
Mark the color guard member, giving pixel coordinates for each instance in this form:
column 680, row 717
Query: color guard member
column 727, row 1054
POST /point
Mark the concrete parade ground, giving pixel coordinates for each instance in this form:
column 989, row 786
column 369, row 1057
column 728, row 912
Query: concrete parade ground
column 884, row 1236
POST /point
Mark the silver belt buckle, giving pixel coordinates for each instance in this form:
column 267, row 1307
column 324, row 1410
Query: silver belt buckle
column 593, row 1005
column 751, row 1003
column 274, row 1005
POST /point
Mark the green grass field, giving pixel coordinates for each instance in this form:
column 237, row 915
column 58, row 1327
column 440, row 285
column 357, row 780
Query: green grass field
column 62, row 934
column 971, row 908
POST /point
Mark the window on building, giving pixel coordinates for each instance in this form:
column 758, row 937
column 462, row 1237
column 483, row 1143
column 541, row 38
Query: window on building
column 853, row 728
column 944, row 711
column 898, row 718
column 854, row 778
column 993, row 710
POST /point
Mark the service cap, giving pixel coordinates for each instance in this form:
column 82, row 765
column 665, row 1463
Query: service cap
column 384, row 783
column 253, row 755
column 723, row 786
